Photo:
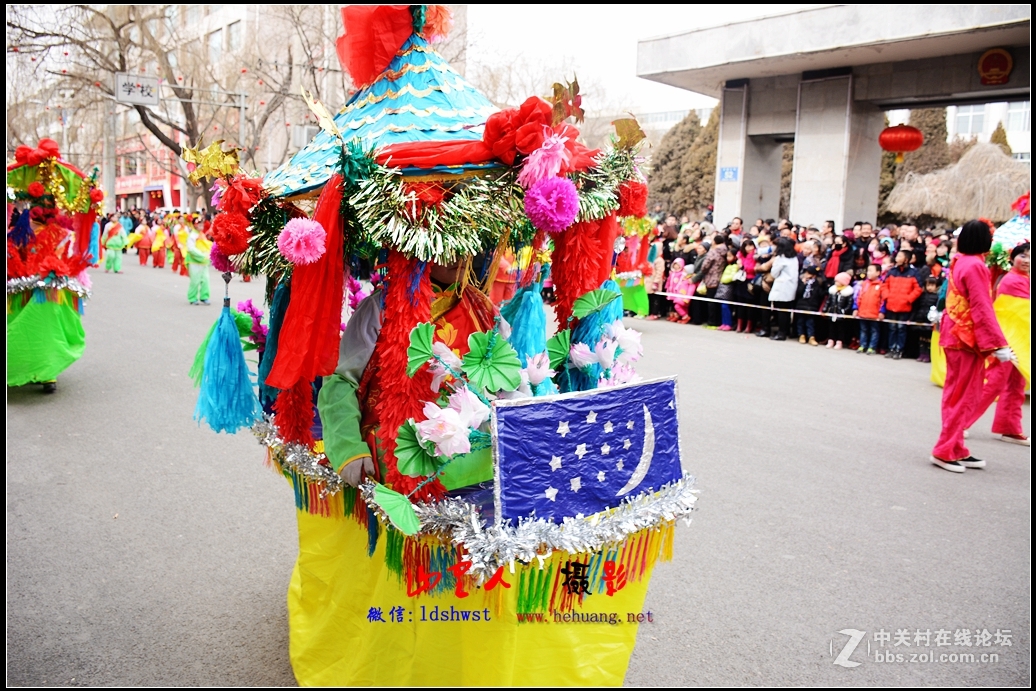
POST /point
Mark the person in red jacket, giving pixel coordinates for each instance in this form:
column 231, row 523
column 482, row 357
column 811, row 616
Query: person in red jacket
column 900, row 289
column 969, row 333
column 868, row 305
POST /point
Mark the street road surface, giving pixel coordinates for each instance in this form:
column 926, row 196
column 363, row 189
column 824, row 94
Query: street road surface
column 144, row 550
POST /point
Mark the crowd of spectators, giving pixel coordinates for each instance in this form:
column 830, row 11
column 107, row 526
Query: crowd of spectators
column 861, row 288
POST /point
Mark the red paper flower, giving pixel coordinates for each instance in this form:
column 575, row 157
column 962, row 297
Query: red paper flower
column 241, row 194
column 36, row 189
column 633, row 198
column 515, row 131
column 230, row 231
column 53, row 264
column 96, row 195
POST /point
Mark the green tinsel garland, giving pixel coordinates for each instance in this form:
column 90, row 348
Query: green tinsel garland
column 473, row 219
column 262, row 258
column 598, row 187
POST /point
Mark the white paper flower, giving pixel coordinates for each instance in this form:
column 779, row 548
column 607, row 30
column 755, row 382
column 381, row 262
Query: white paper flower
column 471, row 410
column 605, row 352
column 445, row 429
column 630, row 348
column 539, row 368
column 437, row 368
column 581, row 355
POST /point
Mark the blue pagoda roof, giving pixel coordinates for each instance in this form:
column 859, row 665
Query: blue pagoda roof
column 419, row 97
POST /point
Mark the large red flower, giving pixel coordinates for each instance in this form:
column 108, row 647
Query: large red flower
column 230, row 231
column 36, row 189
column 517, row 130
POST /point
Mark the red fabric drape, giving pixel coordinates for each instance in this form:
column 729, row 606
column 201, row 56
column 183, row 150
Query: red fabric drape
column 429, row 154
column 373, row 35
column 83, row 225
column 311, row 332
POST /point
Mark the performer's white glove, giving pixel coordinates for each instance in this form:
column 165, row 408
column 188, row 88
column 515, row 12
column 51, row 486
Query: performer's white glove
column 1004, row 355
column 354, row 472
column 934, row 315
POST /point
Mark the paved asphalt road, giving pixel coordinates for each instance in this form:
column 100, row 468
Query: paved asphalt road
column 144, row 550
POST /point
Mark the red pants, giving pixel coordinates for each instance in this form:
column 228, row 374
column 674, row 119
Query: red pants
column 1003, row 380
column 143, row 254
column 960, row 395
column 159, row 258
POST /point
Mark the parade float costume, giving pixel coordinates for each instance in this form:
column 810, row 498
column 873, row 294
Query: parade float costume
column 968, row 333
column 462, row 535
column 198, row 261
column 48, row 252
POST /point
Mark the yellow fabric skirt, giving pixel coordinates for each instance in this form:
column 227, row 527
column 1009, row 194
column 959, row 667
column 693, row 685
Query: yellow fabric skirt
column 1014, row 315
column 352, row 622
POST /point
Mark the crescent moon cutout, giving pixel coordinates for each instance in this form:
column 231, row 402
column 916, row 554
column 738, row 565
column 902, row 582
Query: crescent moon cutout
column 645, row 457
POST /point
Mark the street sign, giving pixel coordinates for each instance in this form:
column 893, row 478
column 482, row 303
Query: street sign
column 136, row 90
column 728, row 174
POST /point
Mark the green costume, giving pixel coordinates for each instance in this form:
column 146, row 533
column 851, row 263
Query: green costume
column 113, row 257
column 197, row 261
column 43, row 338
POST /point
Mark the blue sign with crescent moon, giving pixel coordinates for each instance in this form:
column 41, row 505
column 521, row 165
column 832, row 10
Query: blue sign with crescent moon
column 584, row 452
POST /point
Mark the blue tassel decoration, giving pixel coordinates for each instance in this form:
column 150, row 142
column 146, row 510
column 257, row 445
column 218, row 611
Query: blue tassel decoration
column 226, row 401
column 22, row 235
column 278, row 308
column 589, row 330
column 528, row 320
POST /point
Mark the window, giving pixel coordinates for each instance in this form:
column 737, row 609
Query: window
column 215, row 45
column 173, row 62
column 193, row 14
column 172, row 20
column 1018, row 117
column 971, row 119
column 1023, row 157
column 303, row 134
column 234, row 36
column 129, row 164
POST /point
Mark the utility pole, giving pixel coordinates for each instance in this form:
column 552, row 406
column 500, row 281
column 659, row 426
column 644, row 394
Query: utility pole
column 109, row 159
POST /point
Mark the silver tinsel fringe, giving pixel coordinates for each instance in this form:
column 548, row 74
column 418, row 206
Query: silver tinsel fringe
column 24, row 283
column 489, row 547
column 297, row 456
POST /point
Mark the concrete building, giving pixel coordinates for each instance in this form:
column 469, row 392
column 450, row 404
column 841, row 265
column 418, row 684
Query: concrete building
column 823, row 79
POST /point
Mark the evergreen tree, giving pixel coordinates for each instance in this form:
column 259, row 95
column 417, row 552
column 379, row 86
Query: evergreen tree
column 999, row 137
column 959, row 146
column 935, row 152
column 787, row 163
column 698, row 169
column 886, row 181
column 664, row 180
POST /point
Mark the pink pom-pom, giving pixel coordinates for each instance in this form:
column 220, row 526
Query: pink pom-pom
column 302, row 241
column 546, row 161
column 552, row 204
column 220, row 261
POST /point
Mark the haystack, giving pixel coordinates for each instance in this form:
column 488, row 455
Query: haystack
column 983, row 184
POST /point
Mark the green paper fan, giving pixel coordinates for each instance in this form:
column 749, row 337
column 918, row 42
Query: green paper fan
column 420, row 350
column 413, row 459
column 398, row 509
column 491, row 363
column 593, row 301
column 558, row 347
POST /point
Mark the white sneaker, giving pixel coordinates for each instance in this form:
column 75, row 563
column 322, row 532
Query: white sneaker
column 952, row 466
column 1023, row 441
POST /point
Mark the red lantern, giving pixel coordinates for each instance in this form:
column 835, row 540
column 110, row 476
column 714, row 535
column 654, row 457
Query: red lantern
column 900, row 139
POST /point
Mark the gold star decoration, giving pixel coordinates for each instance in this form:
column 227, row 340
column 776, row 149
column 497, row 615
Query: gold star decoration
column 210, row 162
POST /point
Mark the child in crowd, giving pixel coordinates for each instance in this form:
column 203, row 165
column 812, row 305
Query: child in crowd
column 679, row 284
column 809, row 297
column 861, row 259
column 744, row 291
column 654, row 283
column 725, row 291
column 899, row 290
column 923, row 312
column 870, row 307
column 839, row 305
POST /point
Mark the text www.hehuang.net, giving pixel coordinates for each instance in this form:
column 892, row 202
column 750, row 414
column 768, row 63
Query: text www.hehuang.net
column 612, row 618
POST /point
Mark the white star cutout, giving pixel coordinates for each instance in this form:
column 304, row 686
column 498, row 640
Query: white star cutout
column 551, row 493
column 575, row 484
column 629, row 425
column 562, row 429
column 605, row 449
column 600, row 476
column 555, row 463
column 608, row 427
column 591, row 418
column 618, row 466
column 627, row 444
column 581, row 451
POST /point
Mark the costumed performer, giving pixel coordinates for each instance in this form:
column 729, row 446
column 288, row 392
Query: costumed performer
column 158, row 246
column 348, row 398
column 1006, row 381
column 114, row 244
column 147, row 239
column 969, row 333
column 197, row 261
